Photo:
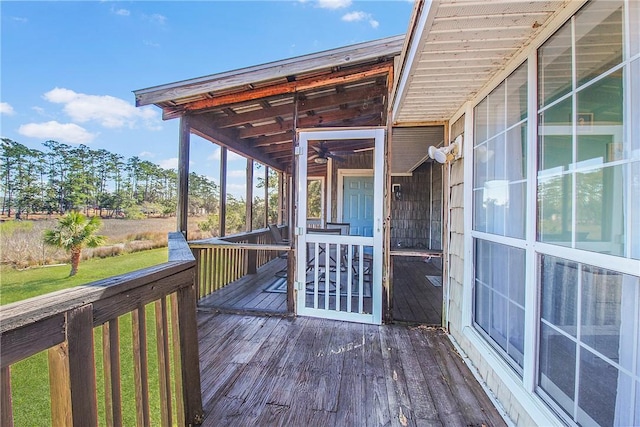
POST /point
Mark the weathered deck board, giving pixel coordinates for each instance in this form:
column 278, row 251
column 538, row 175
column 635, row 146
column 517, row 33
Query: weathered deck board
column 302, row 371
column 415, row 299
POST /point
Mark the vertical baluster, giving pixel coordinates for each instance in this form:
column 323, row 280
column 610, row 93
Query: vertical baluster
column 111, row 361
column 177, row 359
column 164, row 368
column 6, row 418
column 140, row 365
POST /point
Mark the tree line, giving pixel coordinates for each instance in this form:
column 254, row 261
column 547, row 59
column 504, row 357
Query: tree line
column 63, row 178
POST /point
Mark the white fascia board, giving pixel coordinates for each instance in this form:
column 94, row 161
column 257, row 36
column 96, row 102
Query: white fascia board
column 421, row 32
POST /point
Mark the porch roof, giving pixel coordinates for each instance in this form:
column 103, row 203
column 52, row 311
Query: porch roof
column 455, row 47
column 253, row 111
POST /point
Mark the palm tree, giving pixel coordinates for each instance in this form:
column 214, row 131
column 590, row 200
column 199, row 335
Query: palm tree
column 73, row 232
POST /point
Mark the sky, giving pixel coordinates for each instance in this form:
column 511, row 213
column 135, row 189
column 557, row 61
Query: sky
column 68, row 68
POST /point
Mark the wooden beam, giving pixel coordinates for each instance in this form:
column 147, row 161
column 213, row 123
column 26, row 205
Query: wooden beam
column 368, row 92
column 201, row 127
column 340, row 77
column 223, row 191
column 281, row 197
column 322, row 119
column 183, row 175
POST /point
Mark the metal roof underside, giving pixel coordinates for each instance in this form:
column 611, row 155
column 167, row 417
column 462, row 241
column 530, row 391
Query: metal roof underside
column 457, row 47
column 253, row 111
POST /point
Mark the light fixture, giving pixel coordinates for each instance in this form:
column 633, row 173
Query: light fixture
column 396, row 189
column 448, row 153
column 320, row 160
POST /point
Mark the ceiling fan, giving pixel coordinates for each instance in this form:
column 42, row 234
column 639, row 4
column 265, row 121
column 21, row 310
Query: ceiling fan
column 323, row 154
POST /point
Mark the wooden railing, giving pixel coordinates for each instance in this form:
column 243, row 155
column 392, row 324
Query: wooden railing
column 64, row 324
column 224, row 260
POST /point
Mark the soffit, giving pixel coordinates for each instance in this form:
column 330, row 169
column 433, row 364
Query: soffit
column 463, row 44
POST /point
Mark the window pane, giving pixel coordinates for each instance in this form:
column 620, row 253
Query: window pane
column 634, row 34
column 481, row 158
column 516, row 152
column 516, row 205
column 554, row 66
column 634, row 147
column 555, row 137
column 599, row 121
column 634, row 209
column 554, row 210
column 560, row 293
column 479, row 211
column 599, row 210
column 557, row 357
column 597, row 392
column 601, row 295
column 499, row 297
column 495, row 201
column 480, row 122
column 598, row 39
column 496, row 110
column 496, row 165
column 517, row 95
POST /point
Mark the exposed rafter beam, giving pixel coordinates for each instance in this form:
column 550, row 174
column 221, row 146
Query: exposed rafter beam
column 202, row 127
column 324, row 119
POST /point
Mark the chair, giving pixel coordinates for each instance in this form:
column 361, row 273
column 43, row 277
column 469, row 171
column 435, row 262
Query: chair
column 344, row 227
column 322, row 259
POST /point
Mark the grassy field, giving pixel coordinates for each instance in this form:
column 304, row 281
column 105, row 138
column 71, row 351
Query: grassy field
column 30, row 380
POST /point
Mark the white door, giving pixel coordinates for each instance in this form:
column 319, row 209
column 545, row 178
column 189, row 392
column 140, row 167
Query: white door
column 339, row 276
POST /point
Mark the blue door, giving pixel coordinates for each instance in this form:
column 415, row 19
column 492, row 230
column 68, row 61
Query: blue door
column 357, row 202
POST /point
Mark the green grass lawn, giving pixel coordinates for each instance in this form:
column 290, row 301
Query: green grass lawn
column 16, row 285
column 30, row 382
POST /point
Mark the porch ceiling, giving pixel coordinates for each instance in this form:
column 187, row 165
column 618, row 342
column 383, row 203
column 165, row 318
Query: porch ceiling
column 454, row 49
column 254, row 111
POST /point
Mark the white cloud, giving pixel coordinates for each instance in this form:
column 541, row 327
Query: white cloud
column 237, row 189
column 6, row 108
column 360, row 16
column 70, row 133
column 147, row 154
column 156, row 18
column 334, row 4
column 19, row 19
column 171, row 163
column 230, row 155
column 121, row 12
column 237, row 173
column 109, row 111
column 150, row 43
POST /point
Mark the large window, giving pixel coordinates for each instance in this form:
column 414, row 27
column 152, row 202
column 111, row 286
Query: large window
column 584, row 159
column 572, row 257
column 589, row 342
column 499, row 195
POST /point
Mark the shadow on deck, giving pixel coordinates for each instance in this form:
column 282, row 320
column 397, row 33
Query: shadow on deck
column 416, row 298
column 272, row 370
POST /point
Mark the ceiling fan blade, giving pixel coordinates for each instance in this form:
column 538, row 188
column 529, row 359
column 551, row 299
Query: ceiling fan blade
column 318, row 150
column 335, row 157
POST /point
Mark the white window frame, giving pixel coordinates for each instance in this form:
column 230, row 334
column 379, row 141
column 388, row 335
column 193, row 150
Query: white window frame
column 523, row 389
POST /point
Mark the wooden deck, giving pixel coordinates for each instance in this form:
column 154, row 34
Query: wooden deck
column 416, row 299
column 284, row 371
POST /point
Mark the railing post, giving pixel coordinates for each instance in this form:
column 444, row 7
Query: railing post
column 252, row 257
column 190, row 356
column 6, row 413
column 72, row 373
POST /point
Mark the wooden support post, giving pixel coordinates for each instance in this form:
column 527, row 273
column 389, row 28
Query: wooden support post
column 266, row 196
column 183, row 175
column 248, row 226
column 387, row 263
column 190, row 367
column 223, row 192
column 281, row 197
column 6, row 406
